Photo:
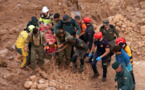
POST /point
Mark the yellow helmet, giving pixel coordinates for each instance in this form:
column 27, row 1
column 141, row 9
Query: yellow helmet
column 31, row 27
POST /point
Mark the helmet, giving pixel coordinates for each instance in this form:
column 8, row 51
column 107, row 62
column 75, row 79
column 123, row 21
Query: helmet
column 31, row 27
column 87, row 19
column 120, row 40
column 98, row 35
column 45, row 9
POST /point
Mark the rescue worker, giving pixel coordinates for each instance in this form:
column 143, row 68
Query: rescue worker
column 123, row 77
column 66, row 51
column 56, row 19
column 68, row 25
column 46, row 17
column 122, row 57
column 108, row 32
column 81, row 49
column 34, row 21
column 101, row 53
column 82, row 26
column 20, row 44
column 89, row 32
column 38, row 42
column 122, row 43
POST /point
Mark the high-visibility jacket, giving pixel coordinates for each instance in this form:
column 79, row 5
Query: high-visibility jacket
column 129, row 52
column 46, row 19
column 20, row 42
column 82, row 26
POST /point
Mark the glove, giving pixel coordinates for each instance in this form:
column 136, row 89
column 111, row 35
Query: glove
column 98, row 58
column 89, row 55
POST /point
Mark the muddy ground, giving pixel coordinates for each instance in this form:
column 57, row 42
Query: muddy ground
column 15, row 14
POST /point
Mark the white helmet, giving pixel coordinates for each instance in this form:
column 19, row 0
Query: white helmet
column 45, row 9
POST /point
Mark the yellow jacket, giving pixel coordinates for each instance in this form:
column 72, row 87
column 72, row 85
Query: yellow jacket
column 20, row 42
column 128, row 51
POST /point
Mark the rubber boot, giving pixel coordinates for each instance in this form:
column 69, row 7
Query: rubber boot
column 75, row 67
column 96, row 75
column 81, row 68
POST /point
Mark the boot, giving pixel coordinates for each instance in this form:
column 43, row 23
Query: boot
column 81, row 68
column 75, row 67
column 96, row 75
column 104, row 79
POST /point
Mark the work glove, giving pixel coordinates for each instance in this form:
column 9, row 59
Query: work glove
column 98, row 58
column 89, row 55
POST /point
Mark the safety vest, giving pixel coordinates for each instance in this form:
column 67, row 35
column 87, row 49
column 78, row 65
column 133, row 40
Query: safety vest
column 129, row 52
column 20, row 42
column 47, row 19
column 82, row 26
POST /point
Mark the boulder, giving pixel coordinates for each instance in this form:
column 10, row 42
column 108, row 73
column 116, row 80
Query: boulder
column 33, row 78
column 142, row 4
column 142, row 30
column 117, row 18
column 34, row 86
column 52, row 84
column 41, row 81
column 44, row 75
column 50, row 88
column 28, row 84
column 41, row 86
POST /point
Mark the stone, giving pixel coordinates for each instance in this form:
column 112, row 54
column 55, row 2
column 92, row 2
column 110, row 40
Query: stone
column 117, row 18
column 28, row 84
column 41, row 86
column 50, row 88
column 34, row 86
column 33, row 77
column 41, row 81
column 142, row 4
column 52, row 84
column 4, row 51
column 123, row 26
column 44, row 75
column 142, row 30
column 118, row 28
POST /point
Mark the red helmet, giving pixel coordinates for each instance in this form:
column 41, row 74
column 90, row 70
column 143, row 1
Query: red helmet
column 87, row 19
column 120, row 40
column 98, row 35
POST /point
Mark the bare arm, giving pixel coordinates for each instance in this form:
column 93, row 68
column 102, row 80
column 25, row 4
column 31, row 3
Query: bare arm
column 106, row 53
column 63, row 47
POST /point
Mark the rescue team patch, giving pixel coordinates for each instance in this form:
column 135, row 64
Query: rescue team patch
column 125, row 78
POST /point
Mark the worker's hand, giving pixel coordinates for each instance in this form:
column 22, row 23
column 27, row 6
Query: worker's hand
column 98, row 58
column 54, row 35
column 116, row 84
column 89, row 55
column 26, row 48
column 59, row 46
column 77, row 36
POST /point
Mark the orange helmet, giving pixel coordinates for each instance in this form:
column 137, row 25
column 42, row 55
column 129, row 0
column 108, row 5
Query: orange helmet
column 87, row 19
column 120, row 40
column 98, row 35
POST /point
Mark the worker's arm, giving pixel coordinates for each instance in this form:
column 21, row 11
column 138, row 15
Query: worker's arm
column 63, row 47
column 56, row 26
column 40, row 20
column 82, row 33
column 93, row 47
column 78, row 28
column 106, row 53
column 27, row 42
column 89, row 34
column 116, row 32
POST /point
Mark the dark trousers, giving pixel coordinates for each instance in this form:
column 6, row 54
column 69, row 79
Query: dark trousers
column 94, row 61
column 131, row 72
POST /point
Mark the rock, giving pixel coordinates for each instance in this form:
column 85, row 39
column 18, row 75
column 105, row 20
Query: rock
column 52, row 84
column 118, row 28
column 119, row 24
column 34, row 86
column 4, row 51
column 28, row 84
column 41, row 81
column 117, row 18
column 142, row 30
column 123, row 26
column 50, row 88
column 142, row 4
column 41, row 86
column 33, row 78
column 44, row 75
